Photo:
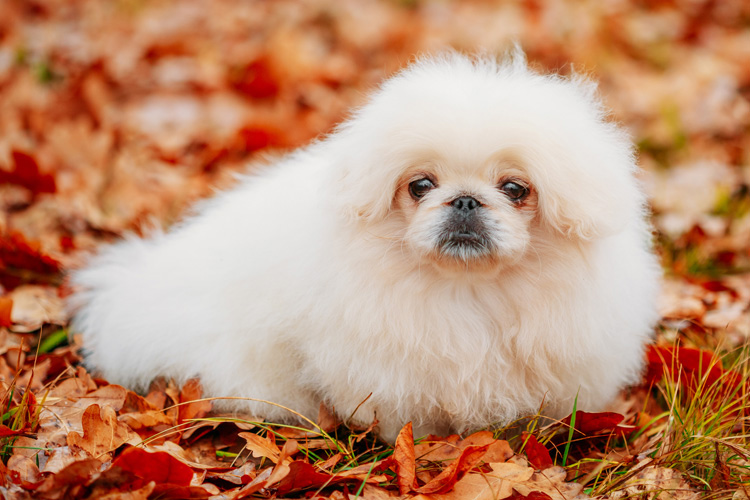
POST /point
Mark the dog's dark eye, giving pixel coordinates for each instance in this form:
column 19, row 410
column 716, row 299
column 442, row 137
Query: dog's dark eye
column 514, row 191
column 419, row 188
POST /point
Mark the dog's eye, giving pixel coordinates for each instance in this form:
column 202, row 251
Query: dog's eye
column 514, row 191
column 419, row 188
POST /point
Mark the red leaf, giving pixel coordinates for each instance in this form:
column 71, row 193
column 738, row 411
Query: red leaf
column 160, row 467
column 256, row 80
column 26, row 173
column 303, row 476
column 693, row 363
column 6, row 431
column 22, row 262
column 444, row 482
column 6, row 306
column 593, row 423
column 406, row 465
column 538, row 454
column 258, row 137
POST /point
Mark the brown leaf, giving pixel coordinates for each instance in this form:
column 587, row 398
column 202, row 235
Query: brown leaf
column 102, row 433
column 111, row 396
column 74, row 474
column 445, row 450
column 24, row 472
column 189, row 407
column 261, row 447
column 403, row 454
column 494, row 485
column 551, row 482
column 469, row 457
column 327, row 420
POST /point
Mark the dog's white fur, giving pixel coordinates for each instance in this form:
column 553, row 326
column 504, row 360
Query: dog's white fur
column 321, row 278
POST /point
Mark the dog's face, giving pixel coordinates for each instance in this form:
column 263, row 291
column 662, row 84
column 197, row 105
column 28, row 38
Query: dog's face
column 471, row 166
column 467, row 218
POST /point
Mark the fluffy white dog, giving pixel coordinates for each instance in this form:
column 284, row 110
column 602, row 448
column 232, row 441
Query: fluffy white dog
column 470, row 245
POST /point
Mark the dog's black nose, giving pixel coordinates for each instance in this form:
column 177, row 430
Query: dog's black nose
column 465, row 203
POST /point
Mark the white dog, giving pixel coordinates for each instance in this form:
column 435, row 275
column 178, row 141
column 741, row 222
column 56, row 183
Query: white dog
column 470, row 245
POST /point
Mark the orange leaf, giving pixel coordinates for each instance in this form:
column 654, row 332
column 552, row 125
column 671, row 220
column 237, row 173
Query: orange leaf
column 159, row 466
column 261, row 447
column 190, row 407
column 102, row 433
column 406, row 466
column 445, row 481
column 6, row 306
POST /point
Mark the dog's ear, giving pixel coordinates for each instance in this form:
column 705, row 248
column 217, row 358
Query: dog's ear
column 579, row 216
column 594, row 203
column 366, row 170
column 366, row 192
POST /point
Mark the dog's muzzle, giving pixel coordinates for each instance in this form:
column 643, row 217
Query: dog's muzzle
column 464, row 235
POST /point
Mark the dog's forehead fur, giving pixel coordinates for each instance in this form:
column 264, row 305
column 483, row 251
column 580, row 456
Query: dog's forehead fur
column 470, row 111
column 473, row 115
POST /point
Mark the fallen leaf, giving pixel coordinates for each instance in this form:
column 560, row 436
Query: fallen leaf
column 26, row 173
column 537, row 453
column 74, row 474
column 592, row 423
column 22, row 261
column 551, row 482
column 469, row 457
column 6, row 306
column 159, row 467
column 302, row 476
column 24, row 472
column 190, row 408
column 102, row 433
column 261, row 447
column 405, row 461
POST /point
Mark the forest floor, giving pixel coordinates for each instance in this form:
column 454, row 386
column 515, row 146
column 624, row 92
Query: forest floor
column 114, row 116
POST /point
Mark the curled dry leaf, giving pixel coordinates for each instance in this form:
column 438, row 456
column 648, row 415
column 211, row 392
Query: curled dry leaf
column 404, row 457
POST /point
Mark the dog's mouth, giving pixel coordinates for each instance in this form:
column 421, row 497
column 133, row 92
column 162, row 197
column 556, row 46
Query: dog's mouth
column 465, row 244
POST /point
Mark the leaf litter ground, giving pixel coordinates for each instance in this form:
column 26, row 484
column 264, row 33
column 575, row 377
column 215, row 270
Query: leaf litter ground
column 116, row 115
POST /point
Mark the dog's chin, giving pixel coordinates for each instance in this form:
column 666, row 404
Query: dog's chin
column 465, row 246
column 465, row 252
